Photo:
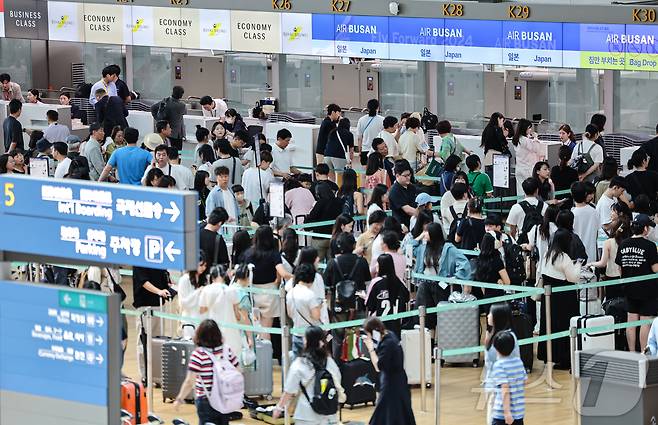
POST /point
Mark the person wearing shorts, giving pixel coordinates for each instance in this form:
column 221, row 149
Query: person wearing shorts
column 637, row 256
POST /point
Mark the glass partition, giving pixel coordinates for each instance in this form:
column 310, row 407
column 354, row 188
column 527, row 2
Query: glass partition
column 247, row 80
column 402, row 87
column 300, row 85
column 98, row 56
column 573, row 96
column 461, row 94
column 152, row 76
column 636, row 101
column 15, row 60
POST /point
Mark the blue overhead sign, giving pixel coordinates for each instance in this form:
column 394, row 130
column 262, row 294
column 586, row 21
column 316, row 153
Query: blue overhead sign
column 361, row 36
column 100, row 222
column 59, row 349
column 471, row 41
column 532, row 43
column 416, row 39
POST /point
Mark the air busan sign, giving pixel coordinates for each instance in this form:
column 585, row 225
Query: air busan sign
column 99, row 223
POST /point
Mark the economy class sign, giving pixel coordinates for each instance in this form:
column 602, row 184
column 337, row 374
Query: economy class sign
column 255, row 31
column 107, row 24
column 416, row 39
column 532, row 43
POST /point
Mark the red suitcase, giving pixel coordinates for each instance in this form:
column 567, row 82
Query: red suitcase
column 133, row 400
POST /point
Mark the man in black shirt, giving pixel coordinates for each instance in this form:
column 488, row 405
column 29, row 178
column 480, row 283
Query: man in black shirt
column 212, row 243
column 651, row 146
column 13, row 130
column 150, row 289
column 402, row 196
column 122, row 88
column 328, row 124
column 386, row 162
column 322, row 176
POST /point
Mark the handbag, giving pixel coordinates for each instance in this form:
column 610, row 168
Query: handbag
column 348, row 165
column 434, row 168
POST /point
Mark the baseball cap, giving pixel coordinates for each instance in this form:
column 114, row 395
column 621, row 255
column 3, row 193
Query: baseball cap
column 43, row 145
column 423, row 198
column 74, row 142
column 643, row 220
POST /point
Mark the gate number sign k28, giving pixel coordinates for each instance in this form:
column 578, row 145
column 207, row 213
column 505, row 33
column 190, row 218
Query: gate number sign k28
column 99, row 222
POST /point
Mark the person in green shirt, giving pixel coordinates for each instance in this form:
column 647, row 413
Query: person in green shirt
column 449, row 144
column 480, row 182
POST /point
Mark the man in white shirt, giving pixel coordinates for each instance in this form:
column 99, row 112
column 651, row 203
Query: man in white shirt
column 588, row 148
column 516, row 215
column 55, row 132
column 367, row 128
column 411, row 144
column 585, row 220
column 213, row 107
column 390, row 134
column 60, row 152
column 183, row 176
column 282, row 155
column 106, row 83
column 223, row 196
column 604, row 206
column 254, row 189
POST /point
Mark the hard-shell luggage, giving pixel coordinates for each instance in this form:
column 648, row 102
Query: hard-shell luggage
column 410, row 341
column 522, row 327
column 133, row 400
column 603, row 340
column 459, row 328
column 616, row 307
column 258, row 380
column 157, row 343
column 359, row 379
column 175, row 357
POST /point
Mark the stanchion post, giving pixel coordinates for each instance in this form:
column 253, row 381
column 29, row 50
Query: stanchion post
column 285, row 346
column 148, row 356
column 423, row 381
column 573, row 336
column 438, row 353
column 549, row 330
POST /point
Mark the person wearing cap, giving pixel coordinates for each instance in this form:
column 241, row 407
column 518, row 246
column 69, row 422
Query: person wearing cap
column 151, row 141
column 213, row 107
column 92, row 150
column 130, row 161
column 424, row 202
column 44, row 150
column 637, row 256
column 60, row 152
column 55, row 132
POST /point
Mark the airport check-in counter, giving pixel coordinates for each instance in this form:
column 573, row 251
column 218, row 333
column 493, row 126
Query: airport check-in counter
column 143, row 121
column 191, row 121
column 624, row 155
column 304, row 137
column 33, row 117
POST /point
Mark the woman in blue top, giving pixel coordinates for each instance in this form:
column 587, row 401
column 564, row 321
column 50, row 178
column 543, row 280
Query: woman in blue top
column 499, row 319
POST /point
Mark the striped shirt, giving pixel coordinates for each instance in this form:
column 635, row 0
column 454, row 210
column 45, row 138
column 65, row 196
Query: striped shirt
column 201, row 364
column 510, row 371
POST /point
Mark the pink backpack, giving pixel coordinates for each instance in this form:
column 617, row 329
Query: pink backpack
column 227, row 393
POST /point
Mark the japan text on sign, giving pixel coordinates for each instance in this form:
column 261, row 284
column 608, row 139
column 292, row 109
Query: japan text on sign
column 68, row 345
column 101, row 223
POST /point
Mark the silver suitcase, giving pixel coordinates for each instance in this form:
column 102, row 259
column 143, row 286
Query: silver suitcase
column 156, row 364
column 175, row 357
column 258, row 380
column 458, row 328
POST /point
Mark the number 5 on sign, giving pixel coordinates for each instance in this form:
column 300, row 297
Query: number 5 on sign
column 9, row 194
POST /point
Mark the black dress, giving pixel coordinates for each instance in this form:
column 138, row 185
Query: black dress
column 564, row 305
column 394, row 401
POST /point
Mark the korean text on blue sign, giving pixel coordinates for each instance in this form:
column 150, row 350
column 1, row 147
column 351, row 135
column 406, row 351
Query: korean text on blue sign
column 361, row 36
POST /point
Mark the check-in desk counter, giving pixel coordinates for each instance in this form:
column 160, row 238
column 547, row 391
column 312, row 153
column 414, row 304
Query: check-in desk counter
column 143, row 121
column 624, row 155
column 304, row 137
column 191, row 121
column 33, row 117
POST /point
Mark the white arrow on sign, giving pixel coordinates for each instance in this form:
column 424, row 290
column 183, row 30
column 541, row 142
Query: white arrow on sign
column 67, row 299
column 99, row 321
column 99, row 340
column 173, row 211
column 171, row 251
column 99, row 358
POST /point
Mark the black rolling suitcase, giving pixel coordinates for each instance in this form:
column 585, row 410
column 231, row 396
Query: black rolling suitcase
column 359, row 379
column 522, row 327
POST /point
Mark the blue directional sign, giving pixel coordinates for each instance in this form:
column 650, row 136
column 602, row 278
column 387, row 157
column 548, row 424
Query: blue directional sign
column 416, row 39
column 473, row 41
column 532, row 43
column 99, row 222
column 59, row 352
column 361, row 36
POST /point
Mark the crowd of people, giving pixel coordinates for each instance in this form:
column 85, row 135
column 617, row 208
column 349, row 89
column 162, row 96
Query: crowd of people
column 377, row 224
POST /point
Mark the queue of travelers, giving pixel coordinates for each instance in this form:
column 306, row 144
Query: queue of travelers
column 377, row 224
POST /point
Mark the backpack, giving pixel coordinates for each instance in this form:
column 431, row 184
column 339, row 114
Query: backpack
column 457, row 219
column 348, row 205
column 428, row 120
column 227, row 391
column 325, row 395
column 583, row 161
column 514, row 263
column 161, row 112
column 533, row 217
column 345, row 298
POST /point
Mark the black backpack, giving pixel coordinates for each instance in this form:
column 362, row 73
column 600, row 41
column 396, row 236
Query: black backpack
column 325, row 395
column 457, row 219
column 584, row 160
column 345, row 298
column 161, row 113
column 533, row 217
column 348, row 205
column 514, row 263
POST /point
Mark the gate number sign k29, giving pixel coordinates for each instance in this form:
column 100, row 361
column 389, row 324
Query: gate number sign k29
column 99, row 222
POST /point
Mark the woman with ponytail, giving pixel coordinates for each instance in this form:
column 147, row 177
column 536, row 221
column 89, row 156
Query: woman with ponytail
column 587, row 156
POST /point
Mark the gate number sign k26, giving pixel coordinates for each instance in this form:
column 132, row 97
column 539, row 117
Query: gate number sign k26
column 99, row 222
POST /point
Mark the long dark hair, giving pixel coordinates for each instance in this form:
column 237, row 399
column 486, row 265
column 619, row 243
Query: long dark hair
column 609, row 168
column 424, row 218
column 341, row 221
column 621, row 229
column 387, row 272
column 372, row 166
column 549, row 217
column 487, row 258
column 561, row 244
column 492, row 126
column 501, row 316
column 637, row 158
column 434, row 245
column 200, row 183
column 521, row 130
column 392, row 224
column 241, row 243
column 290, row 245
column 308, row 255
column 377, row 194
column 349, row 185
column 206, row 153
column 197, row 283
column 315, row 348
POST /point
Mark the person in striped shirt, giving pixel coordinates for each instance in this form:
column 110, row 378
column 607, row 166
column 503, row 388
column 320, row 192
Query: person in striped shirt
column 509, row 377
column 207, row 338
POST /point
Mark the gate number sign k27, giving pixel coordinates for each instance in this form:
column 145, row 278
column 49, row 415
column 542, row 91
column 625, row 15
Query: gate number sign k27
column 99, row 222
